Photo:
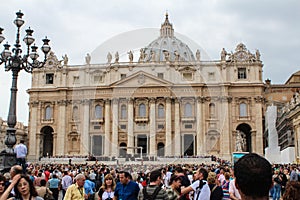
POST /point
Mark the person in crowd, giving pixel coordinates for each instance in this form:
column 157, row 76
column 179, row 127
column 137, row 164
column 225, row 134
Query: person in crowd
column 54, row 184
column 174, row 187
column 225, row 186
column 216, row 191
column 185, row 182
column 292, row 191
column 21, row 153
column 37, row 180
column 126, row 189
column 89, row 187
column 3, row 186
column 293, row 173
column 277, row 181
column 107, row 189
column 200, row 186
column 233, row 191
column 253, row 177
column 76, row 191
column 42, row 190
column 154, row 189
column 66, row 182
column 221, row 176
column 23, row 188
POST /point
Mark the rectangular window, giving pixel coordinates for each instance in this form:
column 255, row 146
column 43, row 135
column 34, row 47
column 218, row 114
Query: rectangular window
column 49, row 78
column 188, row 126
column 97, row 127
column 75, row 79
column 160, row 126
column 98, row 79
column 123, row 126
column 123, row 76
column 160, row 75
column 187, row 76
column 242, row 73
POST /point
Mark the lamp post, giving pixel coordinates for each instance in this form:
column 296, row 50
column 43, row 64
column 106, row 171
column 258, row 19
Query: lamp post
column 15, row 62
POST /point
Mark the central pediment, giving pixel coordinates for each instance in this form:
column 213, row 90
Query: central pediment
column 141, row 79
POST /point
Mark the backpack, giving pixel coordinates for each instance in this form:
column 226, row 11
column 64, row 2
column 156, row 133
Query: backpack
column 152, row 196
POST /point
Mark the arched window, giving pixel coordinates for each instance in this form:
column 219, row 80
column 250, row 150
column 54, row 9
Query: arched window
column 98, row 112
column 75, row 115
column 188, row 110
column 123, row 112
column 142, row 110
column 48, row 113
column 243, row 110
column 212, row 110
column 161, row 111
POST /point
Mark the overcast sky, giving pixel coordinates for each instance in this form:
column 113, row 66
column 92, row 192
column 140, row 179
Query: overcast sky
column 78, row 27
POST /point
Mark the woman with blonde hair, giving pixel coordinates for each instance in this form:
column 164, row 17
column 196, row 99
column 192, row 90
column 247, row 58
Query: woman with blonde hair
column 107, row 190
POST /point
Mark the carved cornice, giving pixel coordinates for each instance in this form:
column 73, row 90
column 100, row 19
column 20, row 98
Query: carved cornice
column 63, row 102
column 34, row 103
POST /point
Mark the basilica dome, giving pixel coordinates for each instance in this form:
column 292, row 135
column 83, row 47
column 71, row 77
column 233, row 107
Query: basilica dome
column 167, row 47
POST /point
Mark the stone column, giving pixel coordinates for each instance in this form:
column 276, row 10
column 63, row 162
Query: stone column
column 115, row 127
column 259, row 127
column 177, row 139
column 203, row 127
column 225, row 128
column 199, row 128
column 168, row 146
column 130, row 141
column 33, row 145
column 107, row 142
column 152, row 136
column 85, row 136
column 59, row 141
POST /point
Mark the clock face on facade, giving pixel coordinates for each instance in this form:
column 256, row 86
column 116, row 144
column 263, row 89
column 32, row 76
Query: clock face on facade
column 241, row 56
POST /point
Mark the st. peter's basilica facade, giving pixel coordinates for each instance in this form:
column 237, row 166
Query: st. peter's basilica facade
column 169, row 102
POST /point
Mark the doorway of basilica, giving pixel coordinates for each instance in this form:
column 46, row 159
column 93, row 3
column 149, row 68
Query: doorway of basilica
column 47, row 141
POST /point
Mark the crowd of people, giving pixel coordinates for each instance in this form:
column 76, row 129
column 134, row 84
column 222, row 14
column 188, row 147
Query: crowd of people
column 251, row 177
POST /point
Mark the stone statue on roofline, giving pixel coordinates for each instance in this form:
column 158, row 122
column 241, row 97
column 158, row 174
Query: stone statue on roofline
column 109, row 57
column 223, row 54
column 117, row 57
column 198, row 55
column 130, row 56
column 142, row 55
column 65, row 59
column 88, row 59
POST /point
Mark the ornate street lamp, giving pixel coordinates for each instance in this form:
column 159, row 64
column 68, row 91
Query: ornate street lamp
column 14, row 61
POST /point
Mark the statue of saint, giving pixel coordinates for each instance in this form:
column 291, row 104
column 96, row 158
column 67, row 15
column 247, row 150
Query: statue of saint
column 66, row 59
column 177, row 56
column 130, row 55
column 142, row 55
column 223, row 54
column 109, row 57
column 257, row 55
column 198, row 55
column 116, row 57
column 88, row 59
column 167, row 55
column 153, row 56
column 240, row 141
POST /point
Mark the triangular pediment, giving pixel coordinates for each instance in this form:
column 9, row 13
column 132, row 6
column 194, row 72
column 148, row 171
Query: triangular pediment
column 140, row 79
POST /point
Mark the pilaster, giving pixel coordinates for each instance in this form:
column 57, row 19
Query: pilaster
column 177, row 139
column 85, row 136
column 168, row 146
column 115, row 127
column 130, row 141
column 152, row 136
column 107, row 128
